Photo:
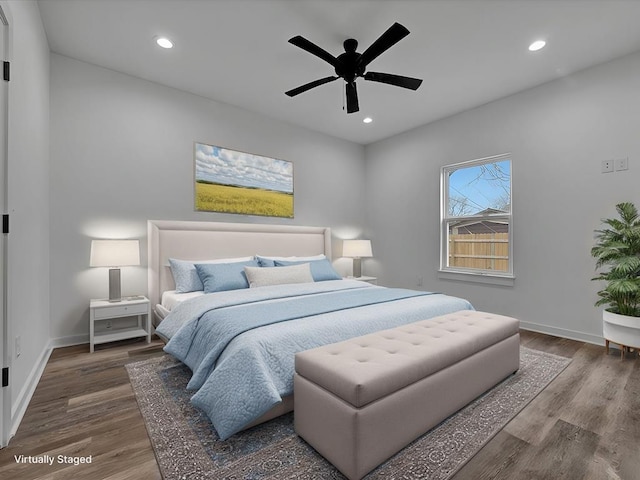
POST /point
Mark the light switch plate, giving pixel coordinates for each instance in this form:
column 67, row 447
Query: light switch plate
column 621, row 164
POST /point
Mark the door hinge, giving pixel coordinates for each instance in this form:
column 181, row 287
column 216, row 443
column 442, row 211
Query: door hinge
column 6, row 70
column 5, row 377
column 5, row 223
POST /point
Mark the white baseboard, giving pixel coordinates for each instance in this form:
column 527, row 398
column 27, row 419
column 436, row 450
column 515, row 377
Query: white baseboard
column 561, row 332
column 19, row 408
column 68, row 341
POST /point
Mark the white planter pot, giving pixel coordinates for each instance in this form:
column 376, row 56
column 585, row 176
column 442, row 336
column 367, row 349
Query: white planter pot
column 621, row 329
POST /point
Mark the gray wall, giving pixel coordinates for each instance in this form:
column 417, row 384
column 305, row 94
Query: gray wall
column 28, row 198
column 122, row 153
column 558, row 135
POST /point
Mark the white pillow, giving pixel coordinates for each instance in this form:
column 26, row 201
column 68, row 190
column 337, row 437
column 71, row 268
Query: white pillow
column 264, row 276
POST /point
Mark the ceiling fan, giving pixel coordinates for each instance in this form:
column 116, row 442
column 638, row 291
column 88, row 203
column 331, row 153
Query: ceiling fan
column 350, row 65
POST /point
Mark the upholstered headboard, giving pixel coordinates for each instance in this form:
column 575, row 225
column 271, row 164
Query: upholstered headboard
column 212, row 240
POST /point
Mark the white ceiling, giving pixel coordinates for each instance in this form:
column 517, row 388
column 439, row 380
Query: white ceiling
column 468, row 52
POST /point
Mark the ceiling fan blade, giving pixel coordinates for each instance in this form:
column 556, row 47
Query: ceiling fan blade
column 310, row 85
column 393, row 35
column 314, row 49
column 352, row 98
column 397, row 80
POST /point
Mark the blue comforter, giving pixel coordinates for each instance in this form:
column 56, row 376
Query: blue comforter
column 241, row 345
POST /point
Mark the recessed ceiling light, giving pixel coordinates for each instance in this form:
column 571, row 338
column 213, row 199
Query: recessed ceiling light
column 164, row 42
column 367, row 120
column 537, row 45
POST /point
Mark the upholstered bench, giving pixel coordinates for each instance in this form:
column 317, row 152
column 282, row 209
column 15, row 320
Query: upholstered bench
column 360, row 401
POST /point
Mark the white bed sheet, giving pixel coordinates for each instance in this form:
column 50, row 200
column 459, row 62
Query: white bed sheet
column 171, row 298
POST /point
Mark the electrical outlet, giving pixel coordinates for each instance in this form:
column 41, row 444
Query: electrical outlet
column 621, row 164
column 419, row 281
column 607, row 166
column 18, row 346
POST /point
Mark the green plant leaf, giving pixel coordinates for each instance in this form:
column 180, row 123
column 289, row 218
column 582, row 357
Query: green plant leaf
column 618, row 247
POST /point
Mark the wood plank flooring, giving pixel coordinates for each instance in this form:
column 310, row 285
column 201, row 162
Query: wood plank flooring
column 584, row 426
column 84, row 405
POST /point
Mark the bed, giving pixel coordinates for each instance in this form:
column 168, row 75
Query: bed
column 240, row 343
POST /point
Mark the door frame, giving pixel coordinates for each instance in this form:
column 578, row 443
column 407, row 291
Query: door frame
column 5, row 358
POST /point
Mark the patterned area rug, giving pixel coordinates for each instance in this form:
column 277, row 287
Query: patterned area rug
column 187, row 446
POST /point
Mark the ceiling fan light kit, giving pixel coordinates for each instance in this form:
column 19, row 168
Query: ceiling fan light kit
column 352, row 65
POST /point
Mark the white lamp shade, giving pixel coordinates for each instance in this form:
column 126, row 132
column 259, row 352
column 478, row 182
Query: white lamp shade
column 357, row 248
column 114, row 253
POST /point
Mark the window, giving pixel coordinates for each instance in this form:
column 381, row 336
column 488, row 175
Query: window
column 476, row 217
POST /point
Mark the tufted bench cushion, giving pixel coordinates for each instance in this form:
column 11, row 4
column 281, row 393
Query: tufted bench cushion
column 363, row 369
column 360, row 401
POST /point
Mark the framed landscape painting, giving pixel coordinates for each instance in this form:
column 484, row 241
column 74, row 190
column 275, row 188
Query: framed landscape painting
column 228, row 181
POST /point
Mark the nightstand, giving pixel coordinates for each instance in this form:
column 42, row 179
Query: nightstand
column 102, row 312
column 364, row 278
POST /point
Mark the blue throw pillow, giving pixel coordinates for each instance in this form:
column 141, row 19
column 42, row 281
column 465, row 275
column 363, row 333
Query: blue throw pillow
column 219, row 277
column 265, row 262
column 321, row 270
column 185, row 276
column 271, row 261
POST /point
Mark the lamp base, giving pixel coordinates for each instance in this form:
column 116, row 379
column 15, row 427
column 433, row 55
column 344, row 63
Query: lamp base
column 114, row 285
column 357, row 267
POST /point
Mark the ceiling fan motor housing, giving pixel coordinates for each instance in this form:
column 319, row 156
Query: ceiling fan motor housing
column 347, row 67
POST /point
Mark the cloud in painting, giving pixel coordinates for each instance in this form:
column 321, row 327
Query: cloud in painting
column 228, row 167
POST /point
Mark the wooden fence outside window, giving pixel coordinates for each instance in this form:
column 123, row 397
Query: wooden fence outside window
column 484, row 251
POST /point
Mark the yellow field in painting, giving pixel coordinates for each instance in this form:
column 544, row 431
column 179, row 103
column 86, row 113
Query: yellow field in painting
column 249, row 201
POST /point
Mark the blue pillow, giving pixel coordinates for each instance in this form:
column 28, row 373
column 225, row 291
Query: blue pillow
column 271, row 261
column 265, row 262
column 185, row 276
column 320, row 269
column 219, row 277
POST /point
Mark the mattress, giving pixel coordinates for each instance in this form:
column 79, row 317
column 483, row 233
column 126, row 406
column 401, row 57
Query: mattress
column 171, row 298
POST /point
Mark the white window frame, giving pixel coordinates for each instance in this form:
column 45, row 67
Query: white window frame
column 473, row 274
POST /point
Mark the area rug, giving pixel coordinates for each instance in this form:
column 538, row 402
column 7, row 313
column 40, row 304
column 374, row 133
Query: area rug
column 187, row 446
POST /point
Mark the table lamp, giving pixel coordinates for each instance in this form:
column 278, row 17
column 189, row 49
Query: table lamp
column 357, row 249
column 114, row 254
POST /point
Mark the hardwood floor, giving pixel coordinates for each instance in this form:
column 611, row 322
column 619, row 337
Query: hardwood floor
column 584, row 426
column 84, row 405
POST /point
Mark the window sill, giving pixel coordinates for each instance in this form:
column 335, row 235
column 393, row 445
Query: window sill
column 473, row 277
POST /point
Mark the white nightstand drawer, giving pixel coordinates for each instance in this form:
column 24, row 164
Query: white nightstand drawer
column 121, row 311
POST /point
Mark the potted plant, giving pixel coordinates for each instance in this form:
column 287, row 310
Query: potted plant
column 617, row 254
